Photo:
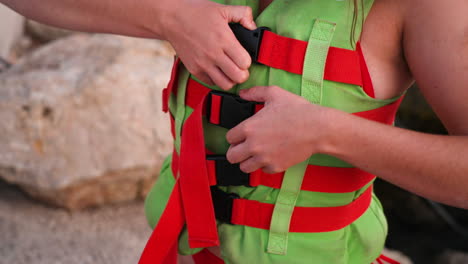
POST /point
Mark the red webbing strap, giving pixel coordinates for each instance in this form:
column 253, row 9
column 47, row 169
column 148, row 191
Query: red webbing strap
column 319, row 179
column 163, row 240
column 316, row 179
column 215, row 108
column 304, row 219
column 384, row 114
column 194, row 181
column 166, row 93
column 206, row 257
column 288, row 54
column 367, row 85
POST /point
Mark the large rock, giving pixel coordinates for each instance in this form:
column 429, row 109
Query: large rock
column 81, row 121
column 11, row 28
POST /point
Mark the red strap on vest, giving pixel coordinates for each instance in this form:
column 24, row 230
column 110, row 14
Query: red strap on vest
column 195, row 90
column 288, row 54
column 384, row 114
column 304, row 219
column 163, row 240
column 206, row 257
column 190, row 201
column 194, row 182
column 316, row 179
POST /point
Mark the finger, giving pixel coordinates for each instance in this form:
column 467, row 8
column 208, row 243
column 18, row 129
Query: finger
column 271, row 169
column 206, row 79
column 250, row 165
column 238, row 54
column 231, row 70
column 242, row 15
column 257, row 94
column 237, row 134
column 220, row 79
column 238, row 153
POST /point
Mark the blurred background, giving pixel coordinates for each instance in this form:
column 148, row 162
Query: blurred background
column 82, row 139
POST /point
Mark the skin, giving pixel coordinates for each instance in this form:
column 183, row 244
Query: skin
column 211, row 55
column 403, row 41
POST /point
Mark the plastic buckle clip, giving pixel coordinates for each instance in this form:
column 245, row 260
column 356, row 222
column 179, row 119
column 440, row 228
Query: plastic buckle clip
column 233, row 109
column 223, row 203
column 228, row 174
column 249, row 39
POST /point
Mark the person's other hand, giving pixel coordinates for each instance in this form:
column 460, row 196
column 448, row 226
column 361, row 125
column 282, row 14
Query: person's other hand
column 199, row 32
column 285, row 132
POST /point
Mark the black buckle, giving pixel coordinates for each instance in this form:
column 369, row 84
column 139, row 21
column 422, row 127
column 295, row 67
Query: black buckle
column 233, row 109
column 223, row 203
column 249, row 39
column 228, row 174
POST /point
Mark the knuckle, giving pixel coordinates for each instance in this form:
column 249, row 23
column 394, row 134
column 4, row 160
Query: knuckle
column 263, row 159
column 248, row 11
column 272, row 169
column 255, row 150
column 244, row 76
column 246, row 129
column 230, row 157
column 197, row 71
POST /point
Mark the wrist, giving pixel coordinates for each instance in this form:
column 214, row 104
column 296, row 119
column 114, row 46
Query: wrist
column 330, row 125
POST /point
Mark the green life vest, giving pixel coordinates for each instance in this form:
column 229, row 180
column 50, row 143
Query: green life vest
column 323, row 24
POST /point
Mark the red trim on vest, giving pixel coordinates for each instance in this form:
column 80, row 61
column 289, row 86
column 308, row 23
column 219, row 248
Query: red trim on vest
column 206, row 257
column 259, row 107
column 288, row 54
column 194, row 181
column 366, row 79
column 304, row 219
column 215, row 108
column 160, row 246
column 384, row 114
column 316, row 178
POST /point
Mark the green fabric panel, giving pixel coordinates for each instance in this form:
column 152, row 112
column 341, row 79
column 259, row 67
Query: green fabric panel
column 284, row 207
column 180, row 113
column 158, row 196
column 359, row 243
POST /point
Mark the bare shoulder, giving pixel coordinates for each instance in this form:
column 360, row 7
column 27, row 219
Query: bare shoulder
column 435, row 42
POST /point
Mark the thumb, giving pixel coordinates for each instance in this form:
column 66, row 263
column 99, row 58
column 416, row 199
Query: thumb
column 242, row 15
column 257, row 94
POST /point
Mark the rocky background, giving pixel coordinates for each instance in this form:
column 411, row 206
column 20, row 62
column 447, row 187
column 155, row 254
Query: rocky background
column 82, row 138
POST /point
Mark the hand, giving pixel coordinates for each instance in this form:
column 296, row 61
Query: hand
column 199, row 32
column 285, row 132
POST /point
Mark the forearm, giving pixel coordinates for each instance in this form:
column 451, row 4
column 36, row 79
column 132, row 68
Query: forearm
column 126, row 17
column 433, row 166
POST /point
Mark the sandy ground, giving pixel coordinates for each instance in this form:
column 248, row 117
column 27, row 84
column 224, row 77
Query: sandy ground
column 31, row 233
